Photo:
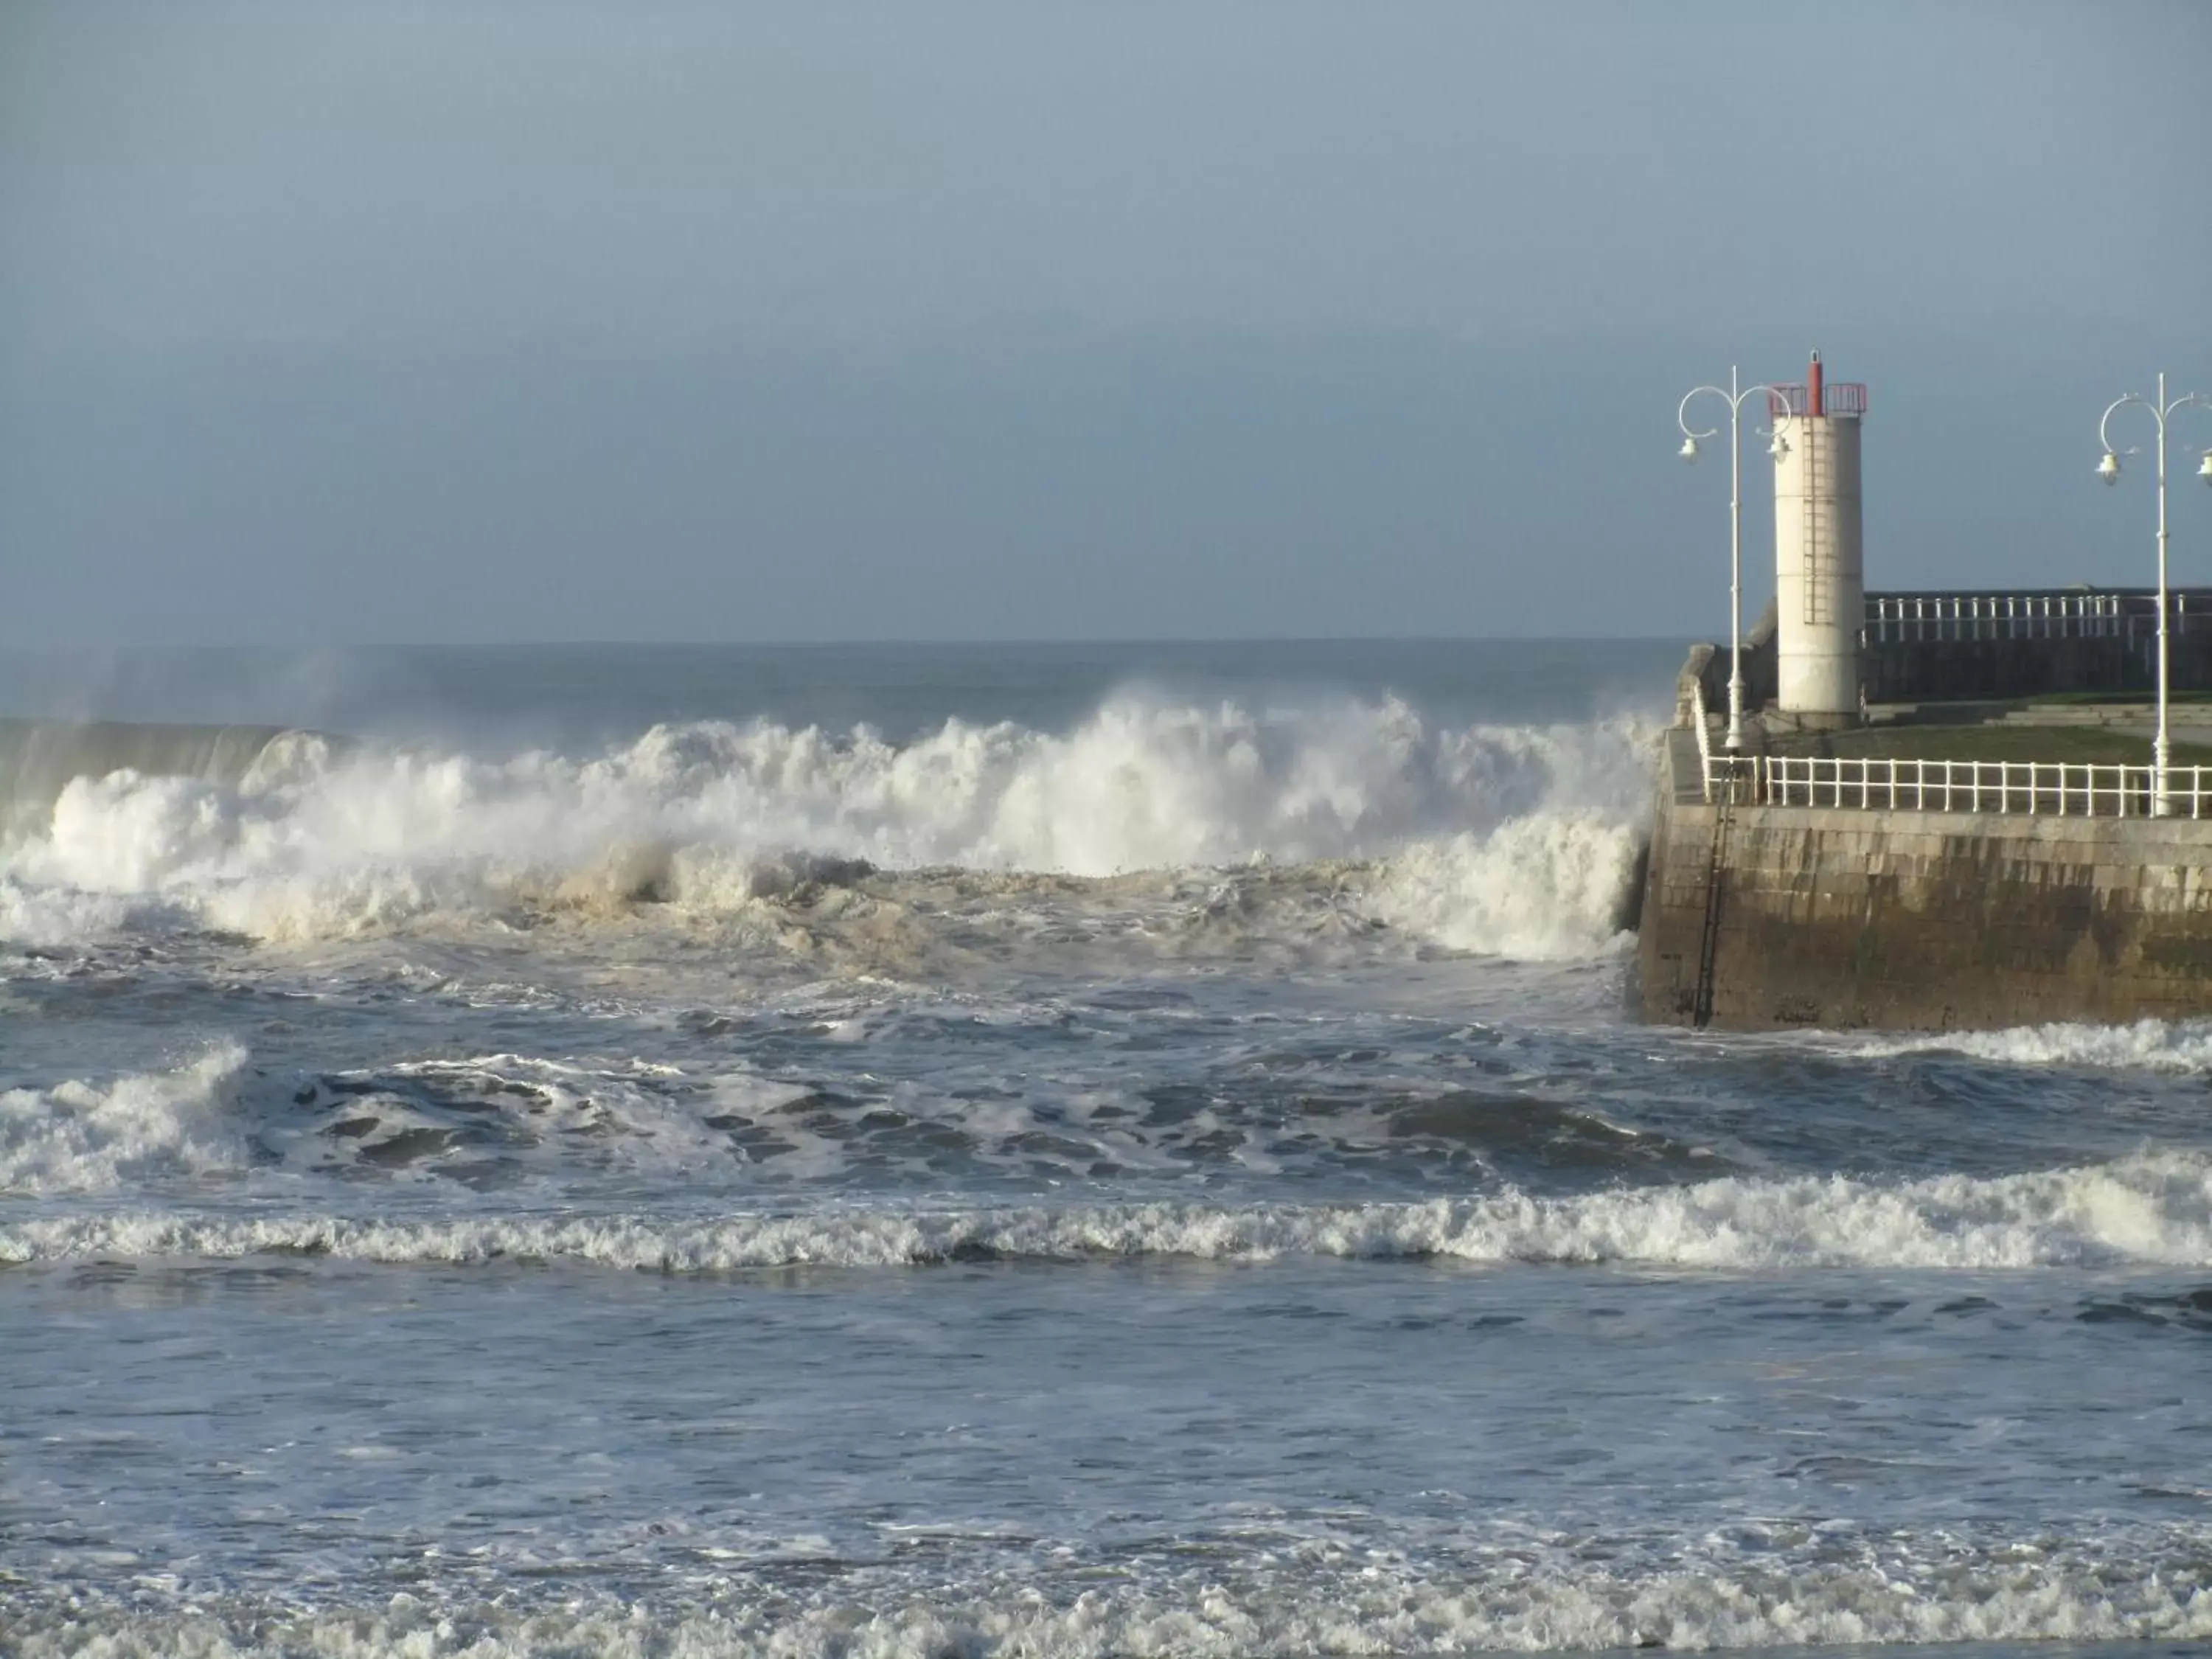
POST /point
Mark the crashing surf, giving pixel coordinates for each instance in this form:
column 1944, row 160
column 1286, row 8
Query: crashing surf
column 1515, row 840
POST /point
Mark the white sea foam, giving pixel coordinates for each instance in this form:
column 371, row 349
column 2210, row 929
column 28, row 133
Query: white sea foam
column 80, row 1136
column 1539, row 888
column 2025, row 1594
column 1493, row 838
column 44, row 916
column 217, row 1117
column 2151, row 1209
column 2148, row 1045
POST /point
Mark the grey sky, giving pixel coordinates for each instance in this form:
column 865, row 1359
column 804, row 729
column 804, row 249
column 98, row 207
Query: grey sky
column 462, row 320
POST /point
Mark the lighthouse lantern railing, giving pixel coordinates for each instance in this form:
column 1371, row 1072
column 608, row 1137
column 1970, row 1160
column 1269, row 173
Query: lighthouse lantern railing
column 1838, row 398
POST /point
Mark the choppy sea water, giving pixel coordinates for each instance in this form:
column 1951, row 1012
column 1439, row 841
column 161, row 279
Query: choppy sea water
column 1038, row 1151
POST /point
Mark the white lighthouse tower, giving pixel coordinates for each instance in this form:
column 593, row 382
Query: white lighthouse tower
column 1819, row 563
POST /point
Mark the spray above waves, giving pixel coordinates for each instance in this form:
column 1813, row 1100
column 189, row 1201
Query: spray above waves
column 40, row 759
column 1495, row 838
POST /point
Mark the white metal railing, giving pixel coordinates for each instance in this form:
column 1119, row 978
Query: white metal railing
column 2060, row 788
column 1893, row 617
column 1705, row 738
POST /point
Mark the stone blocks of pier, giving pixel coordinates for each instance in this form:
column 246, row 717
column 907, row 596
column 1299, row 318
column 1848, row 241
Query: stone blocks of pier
column 1911, row 920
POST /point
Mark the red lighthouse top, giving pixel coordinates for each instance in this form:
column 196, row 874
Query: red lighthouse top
column 1817, row 395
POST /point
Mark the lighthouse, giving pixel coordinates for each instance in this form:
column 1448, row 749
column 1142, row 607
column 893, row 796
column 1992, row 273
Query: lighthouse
column 1819, row 564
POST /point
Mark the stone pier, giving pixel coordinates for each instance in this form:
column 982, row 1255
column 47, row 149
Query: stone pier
column 1922, row 921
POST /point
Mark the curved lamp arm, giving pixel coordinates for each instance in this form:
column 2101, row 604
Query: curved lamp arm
column 1734, row 404
column 1682, row 410
column 2186, row 400
column 2105, row 421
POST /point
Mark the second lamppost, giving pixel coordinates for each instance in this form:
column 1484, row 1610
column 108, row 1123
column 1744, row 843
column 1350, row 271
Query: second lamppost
column 2108, row 468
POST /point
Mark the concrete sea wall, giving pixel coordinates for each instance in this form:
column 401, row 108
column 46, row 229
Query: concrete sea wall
column 1922, row 921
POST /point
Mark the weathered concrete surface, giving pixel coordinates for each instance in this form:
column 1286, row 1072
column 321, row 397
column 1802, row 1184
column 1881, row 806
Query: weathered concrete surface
column 1927, row 920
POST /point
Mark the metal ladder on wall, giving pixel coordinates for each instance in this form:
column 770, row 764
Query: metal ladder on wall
column 1709, row 936
column 1819, row 564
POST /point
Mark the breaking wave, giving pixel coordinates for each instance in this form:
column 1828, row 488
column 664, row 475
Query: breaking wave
column 2148, row 1045
column 1508, row 838
column 501, row 1121
column 39, row 759
column 748, row 1150
column 80, row 1136
column 2154, row 1209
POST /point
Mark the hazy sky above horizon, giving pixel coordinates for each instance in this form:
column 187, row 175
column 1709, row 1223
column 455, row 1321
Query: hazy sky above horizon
column 470, row 321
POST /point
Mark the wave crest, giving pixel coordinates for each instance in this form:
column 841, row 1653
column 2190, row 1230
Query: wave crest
column 2151, row 1045
column 2153, row 1209
column 1488, row 838
column 80, row 1136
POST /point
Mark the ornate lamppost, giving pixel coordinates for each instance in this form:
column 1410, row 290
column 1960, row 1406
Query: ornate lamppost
column 2108, row 468
column 1733, row 397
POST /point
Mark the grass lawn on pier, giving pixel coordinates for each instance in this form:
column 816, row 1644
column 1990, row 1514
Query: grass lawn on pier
column 2077, row 745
